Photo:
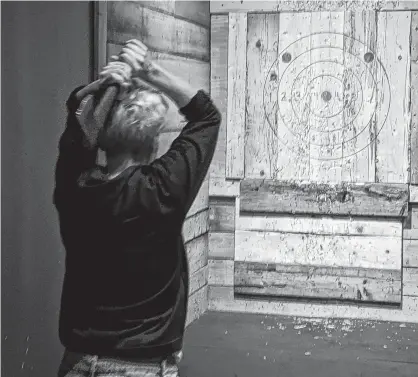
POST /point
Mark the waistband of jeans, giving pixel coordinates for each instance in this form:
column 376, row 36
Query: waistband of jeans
column 124, row 359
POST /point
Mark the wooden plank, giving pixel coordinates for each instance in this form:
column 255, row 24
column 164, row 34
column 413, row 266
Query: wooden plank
column 320, row 225
column 414, row 217
column 196, row 225
column 235, row 129
column 323, row 117
column 222, row 187
column 197, row 252
column 371, row 199
column 163, row 5
column 222, row 299
column 221, row 272
column 414, row 98
column 393, row 49
column 218, row 6
column 222, row 215
column 410, row 281
column 293, row 156
column 198, row 279
column 410, row 234
column 197, row 305
column 355, row 284
column 193, row 71
column 159, row 31
column 413, row 194
column 319, row 250
column 260, row 139
column 196, row 11
column 219, row 86
column 202, row 199
column 359, row 133
column 221, row 245
column 410, row 253
column 100, row 37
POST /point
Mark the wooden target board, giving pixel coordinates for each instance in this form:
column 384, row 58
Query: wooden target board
column 327, row 96
column 321, row 104
column 309, row 189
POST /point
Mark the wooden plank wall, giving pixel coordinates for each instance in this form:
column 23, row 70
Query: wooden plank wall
column 282, row 224
column 177, row 34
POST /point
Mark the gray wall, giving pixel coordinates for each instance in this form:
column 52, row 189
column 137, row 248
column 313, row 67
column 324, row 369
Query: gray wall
column 46, row 52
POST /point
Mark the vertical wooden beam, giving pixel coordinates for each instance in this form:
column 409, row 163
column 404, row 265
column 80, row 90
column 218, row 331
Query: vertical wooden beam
column 219, row 86
column 414, row 98
column 260, row 140
column 359, row 148
column 100, row 37
column 393, row 40
column 235, row 131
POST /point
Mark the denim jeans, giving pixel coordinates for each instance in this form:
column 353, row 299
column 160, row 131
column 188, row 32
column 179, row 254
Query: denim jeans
column 83, row 365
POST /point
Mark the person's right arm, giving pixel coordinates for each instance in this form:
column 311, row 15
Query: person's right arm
column 174, row 179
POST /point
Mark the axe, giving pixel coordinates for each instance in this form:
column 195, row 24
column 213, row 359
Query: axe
column 94, row 109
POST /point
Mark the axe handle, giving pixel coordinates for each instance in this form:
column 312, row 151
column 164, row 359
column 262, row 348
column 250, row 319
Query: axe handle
column 104, row 106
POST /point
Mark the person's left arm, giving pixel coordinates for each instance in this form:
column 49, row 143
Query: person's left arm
column 75, row 155
column 77, row 150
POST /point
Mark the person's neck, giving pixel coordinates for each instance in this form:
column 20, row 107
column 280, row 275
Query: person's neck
column 117, row 164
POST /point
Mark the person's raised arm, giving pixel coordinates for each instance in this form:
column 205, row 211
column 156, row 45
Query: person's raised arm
column 179, row 173
column 76, row 152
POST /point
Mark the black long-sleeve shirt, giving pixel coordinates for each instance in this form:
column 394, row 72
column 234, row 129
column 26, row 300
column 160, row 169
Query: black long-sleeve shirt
column 126, row 281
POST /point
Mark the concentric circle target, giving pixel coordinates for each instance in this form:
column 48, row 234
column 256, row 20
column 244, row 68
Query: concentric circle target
column 327, row 95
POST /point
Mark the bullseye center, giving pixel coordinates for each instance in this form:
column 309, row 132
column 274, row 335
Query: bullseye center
column 326, row 96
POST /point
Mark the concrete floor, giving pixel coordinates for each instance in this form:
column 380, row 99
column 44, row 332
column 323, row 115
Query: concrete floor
column 249, row 345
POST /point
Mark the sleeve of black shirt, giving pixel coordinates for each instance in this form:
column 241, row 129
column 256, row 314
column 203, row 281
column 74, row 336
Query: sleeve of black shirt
column 170, row 184
column 74, row 155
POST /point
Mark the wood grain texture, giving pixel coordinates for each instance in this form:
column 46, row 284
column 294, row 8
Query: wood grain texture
column 413, row 194
column 367, row 285
column 196, row 11
column 292, row 162
column 198, row 279
column 306, row 198
column 260, row 140
column 414, row 98
column 414, row 216
column 202, row 199
column 221, row 245
column 320, row 225
column 196, row 225
column 221, row 272
column 159, row 31
column 410, row 234
column 325, row 144
column 235, row 126
column 222, row 187
column 319, row 250
column 100, row 37
column 222, row 299
column 393, row 49
column 410, row 282
column 308, row 6
column 410, row 253
column 219, row 87
column 197, row 252
column 162, row 5
column 193, row 71
column 222, row 215
column 198, row 304
column 359, row 151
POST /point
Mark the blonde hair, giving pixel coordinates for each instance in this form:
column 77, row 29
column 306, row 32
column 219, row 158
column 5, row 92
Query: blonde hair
column 133, row 128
